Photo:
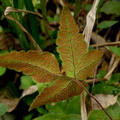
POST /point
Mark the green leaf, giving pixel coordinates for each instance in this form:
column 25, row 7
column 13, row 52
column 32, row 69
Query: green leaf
column 41, row 86
column 101, row 73
column 2, row 70
column 73, row 106
column 71, row 117
column 116, row 50
column 57, row 116
column 76, row 60
column 113, row 110
column 50, row 116
column 106, row 24
column 1, row 29
column 97, row 115
column 3, row 109
column 102, row 88
column 26, row 81
column 41, row 110
column 88, row 7
column 29, row 116
column 58, row 107
column 111, row 7
column 29, row 99
column 114, row 78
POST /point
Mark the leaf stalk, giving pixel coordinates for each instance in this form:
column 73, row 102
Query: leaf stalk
column 81, row 85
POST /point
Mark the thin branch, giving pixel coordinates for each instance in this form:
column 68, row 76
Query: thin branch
column 113, row 68
column 82, row 9
column 113, row 55
column 11, row 9
column 81, row 85
column 7, row 14
column 107, row 44
column 61, row 2
column 90, row 81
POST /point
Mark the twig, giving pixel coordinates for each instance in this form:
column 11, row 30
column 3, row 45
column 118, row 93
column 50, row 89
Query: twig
column 25, row 11
column 90, row 81
column 113, row 55
column 81, row 85
column 107, row 44
column 61, row 2
column 6, row 13
column 107, row 33
column 113, row 68
column 82, row 8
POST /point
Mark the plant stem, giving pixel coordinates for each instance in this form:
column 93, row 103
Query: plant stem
column 107, row 44
column 81, row 85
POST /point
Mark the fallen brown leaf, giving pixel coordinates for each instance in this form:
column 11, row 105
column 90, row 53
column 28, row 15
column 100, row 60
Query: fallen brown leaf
column 105, row 100
column 13, row 102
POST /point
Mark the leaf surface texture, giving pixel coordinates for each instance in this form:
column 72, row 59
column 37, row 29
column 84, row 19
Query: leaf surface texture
column 62, row 89
column 32, row 63
column 76, row 60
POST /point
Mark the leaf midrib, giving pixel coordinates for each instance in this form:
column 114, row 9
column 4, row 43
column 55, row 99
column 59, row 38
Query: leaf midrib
column 71, row 47
column 29, row 64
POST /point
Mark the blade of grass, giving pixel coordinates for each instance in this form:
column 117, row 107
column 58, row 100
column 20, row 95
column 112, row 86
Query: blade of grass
column 20, row 33
column 32, row 21
column 6, row 2
column 43, row 8
column 19, row 4
column 78, row 7
column 44, row 13
column 15, row 2
column 15, row 29
column 7, row 12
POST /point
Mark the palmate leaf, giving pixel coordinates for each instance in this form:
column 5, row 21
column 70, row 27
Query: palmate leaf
column 76, row 60
column 43, row 68
column 77, row 63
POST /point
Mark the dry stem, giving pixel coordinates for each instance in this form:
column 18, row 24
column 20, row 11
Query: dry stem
column 81, row 85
